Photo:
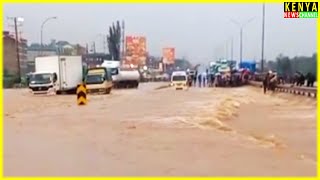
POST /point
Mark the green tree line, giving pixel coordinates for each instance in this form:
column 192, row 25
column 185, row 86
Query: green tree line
column 286, row 66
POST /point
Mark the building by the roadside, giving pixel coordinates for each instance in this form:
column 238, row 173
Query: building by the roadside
column 10, row 60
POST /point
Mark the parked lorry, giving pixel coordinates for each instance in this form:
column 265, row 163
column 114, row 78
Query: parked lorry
column 122, row 77
column 56, row 74
column 98, row 80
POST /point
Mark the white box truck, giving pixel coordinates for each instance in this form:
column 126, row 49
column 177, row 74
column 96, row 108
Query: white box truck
column 56, row 74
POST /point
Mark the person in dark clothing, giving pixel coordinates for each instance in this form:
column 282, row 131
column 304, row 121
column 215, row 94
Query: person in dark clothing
column 199, row 80
column 310, row 79
column 266, row 83
column 299, row 79
column 302, row 80
column 212, row 79
column 195, row 78
column 189, row 81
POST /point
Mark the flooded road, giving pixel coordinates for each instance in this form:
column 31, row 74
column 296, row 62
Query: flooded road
column 148, row 132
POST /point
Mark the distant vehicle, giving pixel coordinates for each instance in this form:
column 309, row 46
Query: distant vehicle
column 56, row 74
column 98, row 80
column 226, row 73
column 122, row 78
column 179, row 80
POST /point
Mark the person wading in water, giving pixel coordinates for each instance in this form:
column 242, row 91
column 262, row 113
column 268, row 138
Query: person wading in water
column 266, row 83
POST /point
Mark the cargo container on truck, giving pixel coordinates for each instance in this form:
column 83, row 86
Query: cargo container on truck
column 56, row 74
column 122, row 78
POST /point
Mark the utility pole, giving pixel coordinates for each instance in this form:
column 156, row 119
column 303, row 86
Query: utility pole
column 17, row 49
column 262, row 45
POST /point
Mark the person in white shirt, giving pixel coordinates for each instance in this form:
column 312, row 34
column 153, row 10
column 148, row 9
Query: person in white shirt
column 204, row 79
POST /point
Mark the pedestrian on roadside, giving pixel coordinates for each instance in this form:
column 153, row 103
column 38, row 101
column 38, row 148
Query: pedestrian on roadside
column 216, row 78
column 209, row 80
column 204, row 79
column 195, row 78
column 189, row 81
column 199, row 80
column 212, row 80
column 266, row 83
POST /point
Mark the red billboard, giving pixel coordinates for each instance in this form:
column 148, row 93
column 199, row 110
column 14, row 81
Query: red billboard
column 168, row 55
column 136, row 51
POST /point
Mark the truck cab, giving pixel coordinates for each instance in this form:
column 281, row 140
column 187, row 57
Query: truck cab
column 43, row 82
column 179, row 80
column 98, row 80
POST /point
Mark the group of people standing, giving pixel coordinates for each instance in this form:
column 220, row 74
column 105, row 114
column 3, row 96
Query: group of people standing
column 271, row 80
column 299, row 79
column 201, row 79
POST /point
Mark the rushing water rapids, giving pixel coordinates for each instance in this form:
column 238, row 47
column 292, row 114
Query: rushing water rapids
column 163, row 132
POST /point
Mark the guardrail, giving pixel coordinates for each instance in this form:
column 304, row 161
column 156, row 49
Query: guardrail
column 305, row 91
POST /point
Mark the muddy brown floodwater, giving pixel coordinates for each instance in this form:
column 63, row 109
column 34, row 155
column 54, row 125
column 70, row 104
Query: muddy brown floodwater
column 147, row 132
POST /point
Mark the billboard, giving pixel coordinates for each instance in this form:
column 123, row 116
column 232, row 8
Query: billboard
column 168, row 55
column 136, row 51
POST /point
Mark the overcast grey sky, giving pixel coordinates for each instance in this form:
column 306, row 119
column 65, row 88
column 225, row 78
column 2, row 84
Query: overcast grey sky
column 198, row 32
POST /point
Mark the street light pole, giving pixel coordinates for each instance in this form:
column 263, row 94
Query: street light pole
column 41, row 40
column 262, row 45
column 241, row 26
